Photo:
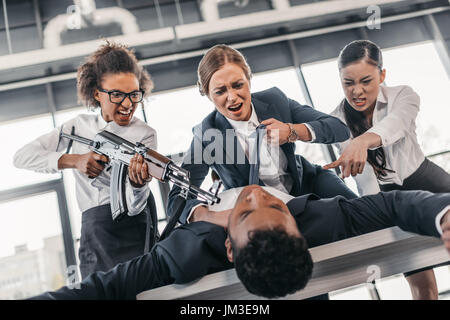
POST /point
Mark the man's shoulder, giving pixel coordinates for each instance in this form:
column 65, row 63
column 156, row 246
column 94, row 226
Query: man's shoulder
column 198, row 231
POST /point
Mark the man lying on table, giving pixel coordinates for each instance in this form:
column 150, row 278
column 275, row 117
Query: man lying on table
column 265, row 237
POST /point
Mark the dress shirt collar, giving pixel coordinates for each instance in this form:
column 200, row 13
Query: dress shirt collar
column 111, row 126
column 102, row 124
column 381, row 96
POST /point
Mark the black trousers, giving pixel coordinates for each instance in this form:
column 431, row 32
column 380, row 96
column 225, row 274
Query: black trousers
column 105, row 243
column 428, row 177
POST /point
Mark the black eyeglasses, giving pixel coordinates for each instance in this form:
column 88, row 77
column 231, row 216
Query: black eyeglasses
column 117, row 97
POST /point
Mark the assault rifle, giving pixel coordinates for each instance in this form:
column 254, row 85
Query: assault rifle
column 120, row 151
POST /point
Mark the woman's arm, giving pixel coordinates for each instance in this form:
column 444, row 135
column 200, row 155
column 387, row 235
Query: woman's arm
column 397, row 123
column 390, row 129
column 354, row 156
column 137, row 189
column 324, row 128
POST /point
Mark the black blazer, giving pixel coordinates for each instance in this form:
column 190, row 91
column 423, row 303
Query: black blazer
column 271, row 103
column 194, row 250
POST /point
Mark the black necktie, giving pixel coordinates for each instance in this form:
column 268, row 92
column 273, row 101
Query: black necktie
column 254, row 167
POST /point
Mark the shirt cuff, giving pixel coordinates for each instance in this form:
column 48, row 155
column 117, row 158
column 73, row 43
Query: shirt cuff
column 53, row 161
column 439, row 217
column 192, row 211
column 311, row 130
column 136, row 198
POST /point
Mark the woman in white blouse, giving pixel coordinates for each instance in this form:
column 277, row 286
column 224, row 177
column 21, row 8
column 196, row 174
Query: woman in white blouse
column 381, row 120
column 110, row 80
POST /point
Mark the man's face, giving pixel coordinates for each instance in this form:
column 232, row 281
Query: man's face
column 256, row 209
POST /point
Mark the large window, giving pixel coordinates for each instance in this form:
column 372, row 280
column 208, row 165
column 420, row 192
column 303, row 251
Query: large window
column 408, row 66
column 32, row 256
column 16, row 134
column 405, row 66
column 324, row 86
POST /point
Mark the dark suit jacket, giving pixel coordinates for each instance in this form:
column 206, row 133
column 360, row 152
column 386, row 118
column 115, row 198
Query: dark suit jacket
column 271, row 103
column 194, row 250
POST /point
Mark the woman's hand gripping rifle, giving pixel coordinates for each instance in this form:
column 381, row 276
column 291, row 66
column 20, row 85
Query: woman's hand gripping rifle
column 120, row 152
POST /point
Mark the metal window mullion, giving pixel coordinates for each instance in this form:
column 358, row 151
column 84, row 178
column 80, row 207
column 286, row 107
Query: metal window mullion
column 159, row 14
column 327, row 149
column 69, row 248
column 51, row 102
column 179, row 13
column 8, row 35
column 439, row 41
column 38, row 18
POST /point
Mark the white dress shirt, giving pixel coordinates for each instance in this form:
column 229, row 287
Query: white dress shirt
column 273, row 161
column 228, row 200
column 394, row 120
column 43, row 153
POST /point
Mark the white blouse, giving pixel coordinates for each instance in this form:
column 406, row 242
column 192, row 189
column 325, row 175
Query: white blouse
column 394, row 120
column 43, row 153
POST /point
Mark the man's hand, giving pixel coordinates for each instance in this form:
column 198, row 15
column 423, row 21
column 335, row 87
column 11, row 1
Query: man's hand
column 445, row 225
column 138, row 171
column 202, row 213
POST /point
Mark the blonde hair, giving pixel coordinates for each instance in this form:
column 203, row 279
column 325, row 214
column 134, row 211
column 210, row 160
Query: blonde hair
column 214, row 59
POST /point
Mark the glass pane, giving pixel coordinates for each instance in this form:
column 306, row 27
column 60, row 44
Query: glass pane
column 285, row 79
column 20, row 133
column 407, row 66
column 32, row 258
column 317, row 84
column 324, row 84
column 173, row 115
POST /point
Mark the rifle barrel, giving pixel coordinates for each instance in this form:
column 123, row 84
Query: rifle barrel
column 78, row 138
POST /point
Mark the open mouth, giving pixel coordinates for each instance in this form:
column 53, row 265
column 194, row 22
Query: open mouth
column 124, row 114
column 359, row 102
column 235, row 108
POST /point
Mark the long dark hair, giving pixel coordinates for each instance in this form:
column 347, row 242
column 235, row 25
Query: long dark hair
column 356, row 120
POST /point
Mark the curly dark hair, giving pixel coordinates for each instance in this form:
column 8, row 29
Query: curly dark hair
column 273, row 263
column 110, row 58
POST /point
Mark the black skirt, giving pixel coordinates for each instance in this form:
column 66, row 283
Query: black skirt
column 105, row 243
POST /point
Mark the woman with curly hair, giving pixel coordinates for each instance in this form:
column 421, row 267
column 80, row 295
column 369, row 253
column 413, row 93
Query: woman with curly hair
column 111, row 81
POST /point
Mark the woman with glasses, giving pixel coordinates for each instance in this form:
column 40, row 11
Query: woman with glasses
column 111, row 81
